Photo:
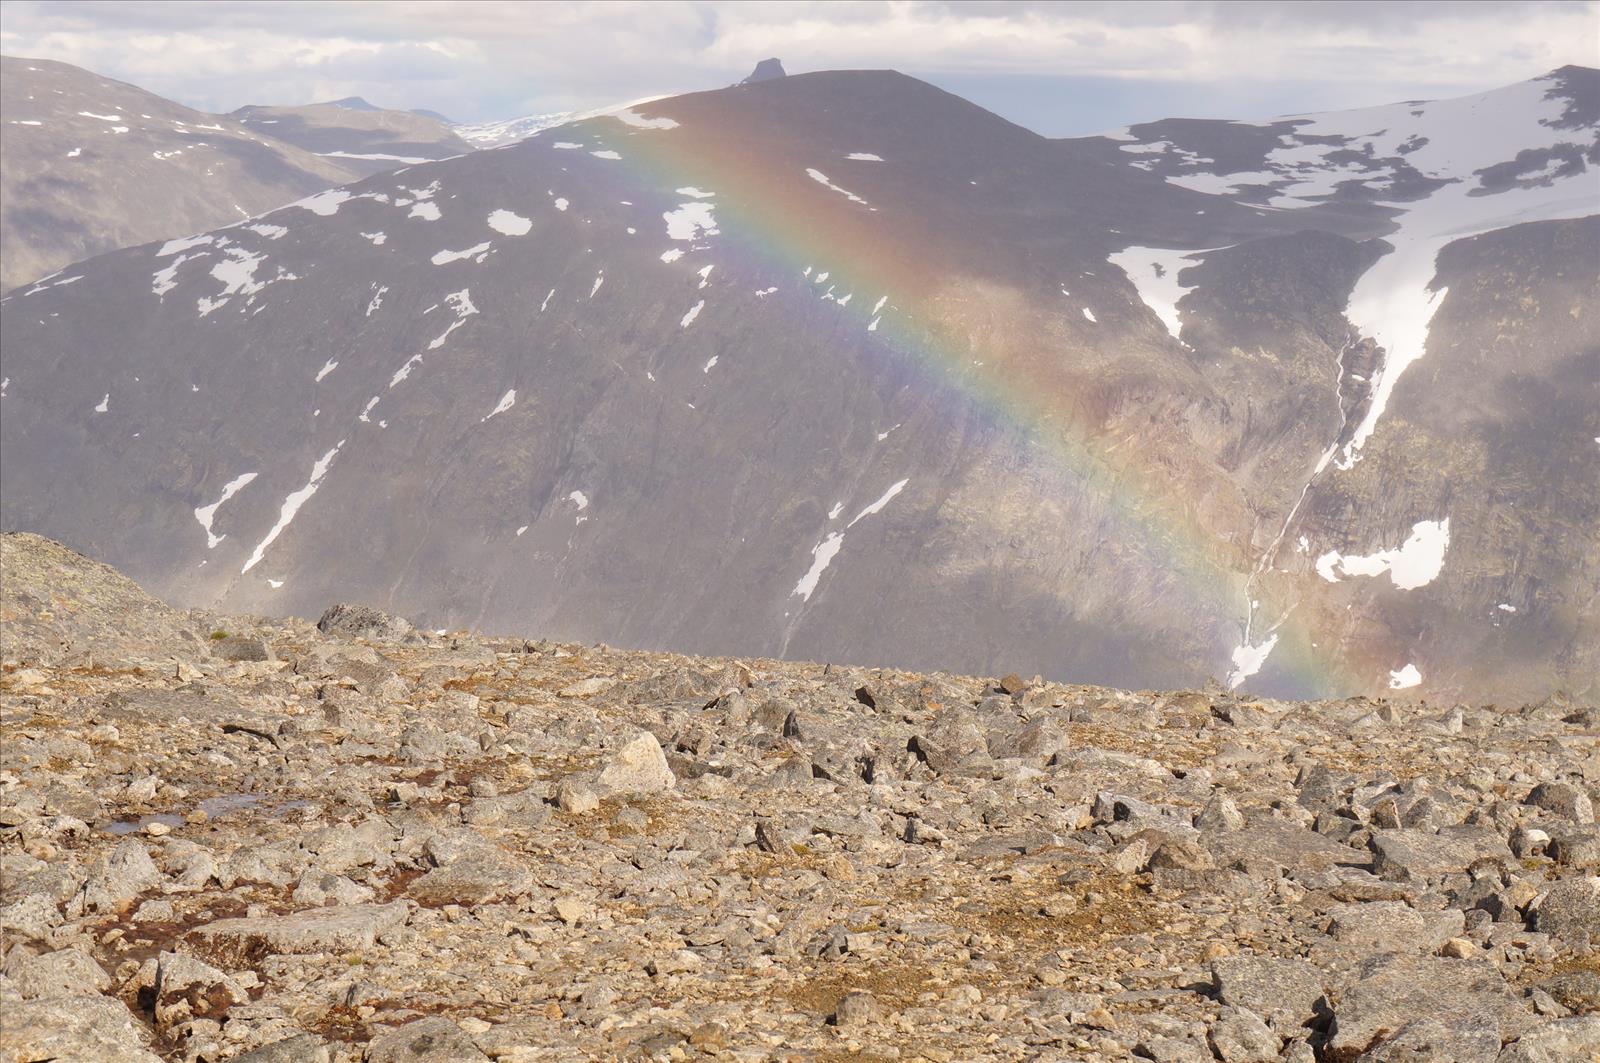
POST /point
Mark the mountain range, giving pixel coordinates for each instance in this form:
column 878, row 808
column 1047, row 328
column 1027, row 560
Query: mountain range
column 92, row 164
column 841, row 366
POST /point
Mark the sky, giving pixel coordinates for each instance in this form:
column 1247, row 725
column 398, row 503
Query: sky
column 1062, row 69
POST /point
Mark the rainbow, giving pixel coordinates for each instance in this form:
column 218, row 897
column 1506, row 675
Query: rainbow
column 936, row 336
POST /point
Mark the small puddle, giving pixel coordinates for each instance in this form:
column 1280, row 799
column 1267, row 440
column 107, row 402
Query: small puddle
column 134, row 826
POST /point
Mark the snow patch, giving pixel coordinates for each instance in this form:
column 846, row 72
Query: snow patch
column 822, row 179
column 1248, row 659
column 291, row 506
column 690, row 221
column 639, row 121
column 694, row 312
column 1415, row 564
column 477, row 251
column 507, row 400
column 1405, row 678
column 205, row 514
column 327, row 367
column 510, row 224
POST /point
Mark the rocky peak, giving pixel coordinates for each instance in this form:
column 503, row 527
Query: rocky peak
column 766, row 70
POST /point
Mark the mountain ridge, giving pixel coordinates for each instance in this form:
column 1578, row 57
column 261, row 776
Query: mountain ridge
column 1047, row 443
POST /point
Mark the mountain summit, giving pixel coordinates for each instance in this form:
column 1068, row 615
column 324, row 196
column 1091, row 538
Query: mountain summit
column 841, row 366
column 766, row 70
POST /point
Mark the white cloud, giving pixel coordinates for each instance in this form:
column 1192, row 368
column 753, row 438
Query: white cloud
column 486, row 60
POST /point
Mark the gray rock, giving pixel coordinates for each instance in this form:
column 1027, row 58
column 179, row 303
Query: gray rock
column 350, row 928
column 1393, row 926
column 639, row 767
column 1285, row 992
column 90, row 1029
column 431, row 1040
column 857, row 1008
column 127, row 872
column 1563, row 799
column 1560, row 1041
column 301, row 1048
column 1411, row 1001
column 64, row 973
column 1570, row 912
column 575, row 797
column 1416, row 854
column 242, row 648
column 187, row 988
column 1220, row 814
column 362, row 621
column 1575, row 846
column 1240, row 1036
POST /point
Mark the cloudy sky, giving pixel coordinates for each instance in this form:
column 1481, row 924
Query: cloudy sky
column 1060, row 68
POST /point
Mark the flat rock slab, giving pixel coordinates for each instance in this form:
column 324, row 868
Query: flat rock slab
column 66, row 1028
column 347, row 928
column 1462, row 1009
column 1405, row 854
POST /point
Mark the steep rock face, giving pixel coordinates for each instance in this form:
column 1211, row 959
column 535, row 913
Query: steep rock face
column 836, row 366
column 365, row 139
column 91, row 164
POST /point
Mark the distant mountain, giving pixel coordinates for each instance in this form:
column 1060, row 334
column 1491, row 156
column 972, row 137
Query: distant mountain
column 499, row 134
column 435, row 115
column 91, row 164
column 361, row 136
column 839, row 366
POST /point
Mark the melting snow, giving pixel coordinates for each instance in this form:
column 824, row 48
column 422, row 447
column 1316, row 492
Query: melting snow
column 271, row 232
column 327, row 367
column 821, row 556
column 822, row 179
column 708, row 365
column 694, row 312
column 426, row 210
column 204, row 514
column 291, row 506
column 102, row 117
column 566, row 145
column 105, row 404
column 639, row 121
column 275, row 583
column 690, row 221
column 377, row 297
column 1405, row 678
column 408, row 160
column 599, row 279
column 172, row 247
column 504, row 221
column 864, row 156
column 561, row 204
column 1415, row 564
column 405, row 370
column 1154, row 273
column 326, row 203
column 697, row 193
column 506, row 402
column 605, row 154
column 833, row 514
column 882, row 501
column 1248, row 659
column 1089, row 314
column 546, row 302
column 477, row 251
column 671, row 255
column 521, row 530
column 579, row 499
column 376, row 238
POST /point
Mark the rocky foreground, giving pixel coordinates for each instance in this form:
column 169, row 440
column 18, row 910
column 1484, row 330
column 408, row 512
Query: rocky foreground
column 249, row 839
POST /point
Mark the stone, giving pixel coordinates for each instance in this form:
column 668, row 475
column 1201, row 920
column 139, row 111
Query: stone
column 857, row 1008
column 348, row 928
column 127, row 872
column 574, row 797
column 187, row 988
column 584, row 688
column 1285, row 991
column 639, row 767
column 1240, row 1036
column 1219, row 814
column 1575, row 846
column 1558, row 1041
column 1563, row 799
column 1458, row 1006
column 1179, row 855
column 1570, row 913
column 361, row 621
column 300, row 1048
column 91, row 1029
column 242, row 648
column 1416, row 854
column 430, row 1040
column 66, row 972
